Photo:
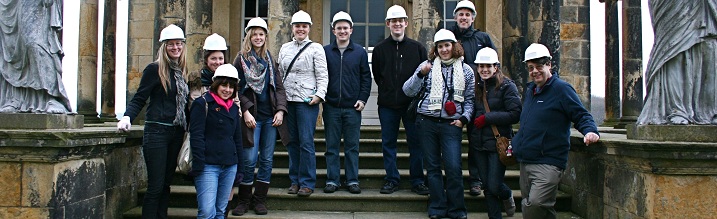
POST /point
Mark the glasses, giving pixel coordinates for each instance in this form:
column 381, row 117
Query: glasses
column 538, row 67
column 177, row 44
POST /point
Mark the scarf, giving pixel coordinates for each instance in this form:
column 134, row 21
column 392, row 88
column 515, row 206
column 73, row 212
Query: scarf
column 435, row 98
column 206, row 77
column 181, row 98
column 255, row 70
column 222, row 102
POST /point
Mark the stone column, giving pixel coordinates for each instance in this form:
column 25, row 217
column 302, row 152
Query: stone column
column 87, row 66
column 170, row 12
column 280, row 12
column 492, row 16
column 198, row 27
column 424, row 22
column 631, row 62
column 612, row 65
column 108, row 60
column 515, row 27
column 575, row 45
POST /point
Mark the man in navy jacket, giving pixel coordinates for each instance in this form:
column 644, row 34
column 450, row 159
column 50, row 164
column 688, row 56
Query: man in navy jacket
column 346, row 96
column 541, row 146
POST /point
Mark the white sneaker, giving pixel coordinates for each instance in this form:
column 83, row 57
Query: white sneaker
column 509, row 205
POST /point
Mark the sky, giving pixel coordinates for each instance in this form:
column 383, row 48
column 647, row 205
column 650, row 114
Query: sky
column 597, row 43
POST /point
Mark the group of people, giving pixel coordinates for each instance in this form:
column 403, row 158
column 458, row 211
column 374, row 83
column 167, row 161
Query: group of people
column 234, row 112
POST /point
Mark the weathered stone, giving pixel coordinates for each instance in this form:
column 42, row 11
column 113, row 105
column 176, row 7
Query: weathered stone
column 40, row 121
column 682, row 133
column 139, row 30
column 569, row 14
column 573, row 31
column 10, row 184
column 575, row 49
column 15, row 212
column 683, row 196
column 36, row 191
column 612, row 63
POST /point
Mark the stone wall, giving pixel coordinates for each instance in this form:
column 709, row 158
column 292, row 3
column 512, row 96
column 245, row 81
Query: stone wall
column 575, row 46
column 86, row 173
column 621, row 178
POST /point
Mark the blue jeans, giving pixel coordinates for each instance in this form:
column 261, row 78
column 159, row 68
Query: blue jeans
column 338, row 121
column 441, row 143
column 263, row 151
column 214, row 185
column 301, row 120
column 390, row 119
column 493, row 171
column 160, row 147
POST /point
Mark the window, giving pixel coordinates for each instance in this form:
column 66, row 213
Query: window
column 368, row 17
column 446, row 11
column 255, row 8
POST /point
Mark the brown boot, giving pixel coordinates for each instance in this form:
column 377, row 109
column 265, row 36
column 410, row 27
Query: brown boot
column 244, row 198
column 259, row 198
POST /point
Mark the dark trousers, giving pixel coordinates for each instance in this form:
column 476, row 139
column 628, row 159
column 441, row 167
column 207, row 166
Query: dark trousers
column 160, row 147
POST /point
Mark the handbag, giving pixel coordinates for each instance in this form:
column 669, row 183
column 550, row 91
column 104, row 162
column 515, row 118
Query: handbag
column 184, row 160
column 412, row 109
column 502, row 144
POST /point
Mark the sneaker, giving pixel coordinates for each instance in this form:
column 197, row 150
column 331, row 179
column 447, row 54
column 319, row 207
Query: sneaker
column 304, row 192
column 293, row 189
column 389, row 187
column 509, row 205
column 354, row 188
column 475, row 190
column 330, row 188
column 420, row 189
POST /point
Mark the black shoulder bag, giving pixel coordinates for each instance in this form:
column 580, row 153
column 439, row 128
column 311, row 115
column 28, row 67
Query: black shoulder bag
column 412, row 110
column 288, row 69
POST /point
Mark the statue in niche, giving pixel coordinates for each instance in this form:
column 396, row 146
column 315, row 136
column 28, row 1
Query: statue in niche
column 682, row 71
column 30, row 69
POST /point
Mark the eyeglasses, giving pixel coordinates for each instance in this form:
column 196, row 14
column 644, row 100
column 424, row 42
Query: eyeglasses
column 177, row 44
column 538, row 67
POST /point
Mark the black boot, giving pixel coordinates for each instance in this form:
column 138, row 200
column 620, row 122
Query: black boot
column 259, row 198
column 244, row 198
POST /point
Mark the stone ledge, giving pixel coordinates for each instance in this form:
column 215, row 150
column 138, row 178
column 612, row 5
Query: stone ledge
column 685, row 133
column 40, row 121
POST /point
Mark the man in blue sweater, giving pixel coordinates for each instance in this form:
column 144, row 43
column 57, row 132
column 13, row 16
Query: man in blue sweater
column 346, row 96
column 543, row 140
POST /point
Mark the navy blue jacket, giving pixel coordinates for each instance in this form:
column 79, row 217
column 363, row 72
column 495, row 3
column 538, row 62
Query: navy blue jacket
column 505, row 110
column 216, row 135
column 349, row 75
column 544, row 134
column 472, row 40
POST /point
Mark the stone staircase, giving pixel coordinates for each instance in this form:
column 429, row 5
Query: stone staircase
column 342, row 204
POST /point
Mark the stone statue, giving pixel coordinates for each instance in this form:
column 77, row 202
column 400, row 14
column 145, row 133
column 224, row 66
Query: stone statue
column 30, row 69
column 682, row 71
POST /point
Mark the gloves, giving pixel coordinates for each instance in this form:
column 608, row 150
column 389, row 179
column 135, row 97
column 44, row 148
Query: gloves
column 124, row 124
column 450, row 108
column 479, row 122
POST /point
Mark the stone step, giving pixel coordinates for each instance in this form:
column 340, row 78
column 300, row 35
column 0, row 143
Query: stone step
column 373, row 132
column 190, row 213
column 368, row 179
column 343, row 201
column 367, row 145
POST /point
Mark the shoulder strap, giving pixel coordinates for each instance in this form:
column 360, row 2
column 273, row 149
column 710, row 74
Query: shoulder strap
column 487, row 109
column 288, row 69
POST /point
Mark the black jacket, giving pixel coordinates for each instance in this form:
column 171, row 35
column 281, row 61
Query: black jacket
column 349, row 75
column 216, row 134
column 472, row 40
column 505, row 108
column 162, row 106
column 393, row 63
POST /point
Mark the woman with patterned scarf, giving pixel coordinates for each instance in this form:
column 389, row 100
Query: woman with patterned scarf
column 443, row 110
column 163, row 83
column 263, row 101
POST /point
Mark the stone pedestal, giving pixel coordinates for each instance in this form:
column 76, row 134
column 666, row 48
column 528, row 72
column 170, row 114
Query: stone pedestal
column 619, row 177
column 40, row 121
column 69, row 173
column 681, row 133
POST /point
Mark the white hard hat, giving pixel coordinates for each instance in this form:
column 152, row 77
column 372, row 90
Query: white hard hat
column 443, row 35
column 226, row 70
column 465, row 4
column 342, row 16
column 257, row 22
column 171, row 32
column 486, row 55
column 536, row 50
column 301, row 17
column 396, row 11
column 215, row 42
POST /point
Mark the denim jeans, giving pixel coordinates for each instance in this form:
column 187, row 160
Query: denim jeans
column 301, row 120
column 441, row 143
column 160, row 147
column 214, row 185
column 337, row 122
column 474, row 177
column 493, row 171
column 390, row 119
column 263, row 152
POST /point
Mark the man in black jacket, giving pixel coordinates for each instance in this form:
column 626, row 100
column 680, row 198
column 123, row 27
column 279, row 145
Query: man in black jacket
column 472, row 40
column 394, row 61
